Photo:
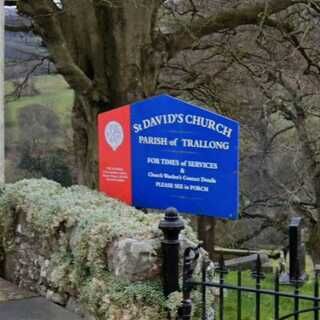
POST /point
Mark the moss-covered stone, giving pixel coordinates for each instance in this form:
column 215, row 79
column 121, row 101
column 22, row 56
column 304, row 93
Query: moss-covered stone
column 55, row 241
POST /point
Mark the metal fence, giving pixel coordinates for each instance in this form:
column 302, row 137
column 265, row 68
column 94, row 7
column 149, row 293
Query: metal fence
column 189, row 284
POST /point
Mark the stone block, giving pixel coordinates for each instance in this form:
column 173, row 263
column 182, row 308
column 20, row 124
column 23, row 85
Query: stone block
column 134, row 259
column 59, row 298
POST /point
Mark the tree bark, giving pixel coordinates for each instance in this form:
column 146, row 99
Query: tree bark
column 314, row 242
column 206, row 233
column 252, row 14
column 311, row 164
column 84, row 123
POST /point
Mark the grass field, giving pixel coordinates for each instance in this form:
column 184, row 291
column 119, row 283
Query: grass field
column 50, row 91
column 54, row 93
column 267, row 302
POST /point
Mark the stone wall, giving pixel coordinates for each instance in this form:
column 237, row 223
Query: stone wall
column 82, row 250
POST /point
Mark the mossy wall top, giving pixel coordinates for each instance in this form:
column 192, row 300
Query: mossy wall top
column 60, row 236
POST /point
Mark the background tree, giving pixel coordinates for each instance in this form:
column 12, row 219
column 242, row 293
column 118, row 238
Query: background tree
column 242, row 58
column 111, row 52
column 268, row 77
column 39, row 149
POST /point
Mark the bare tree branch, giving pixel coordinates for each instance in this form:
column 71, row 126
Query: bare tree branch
column 44, row 13
column 18, row 28
column 19, row 88
column 189, row 37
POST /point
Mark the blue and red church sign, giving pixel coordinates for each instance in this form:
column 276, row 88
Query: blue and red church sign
column 163, row 152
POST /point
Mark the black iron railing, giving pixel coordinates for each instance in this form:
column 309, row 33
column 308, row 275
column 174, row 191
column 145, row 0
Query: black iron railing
column 189, row 284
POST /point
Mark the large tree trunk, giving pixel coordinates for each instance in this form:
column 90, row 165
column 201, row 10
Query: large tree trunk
column 84, row 123
column 312, row 167
column 132, row 75
column 105, row 51
column 313, row 243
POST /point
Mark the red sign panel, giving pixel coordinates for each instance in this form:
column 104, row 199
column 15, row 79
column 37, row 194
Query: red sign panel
column 115, row 177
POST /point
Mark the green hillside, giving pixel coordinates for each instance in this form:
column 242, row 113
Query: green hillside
column 38, row 129
column 54, row 93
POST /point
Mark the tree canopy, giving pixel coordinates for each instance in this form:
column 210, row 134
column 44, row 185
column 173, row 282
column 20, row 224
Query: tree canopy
column 255, row 60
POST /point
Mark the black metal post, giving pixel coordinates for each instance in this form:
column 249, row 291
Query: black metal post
column 171, row 227
column 296, row 257
column 239, row 296
column 296, row 300
column 316, row 293
column 204, row 290
column 276, row 296
column 185, row 309
column 258, row 275
column 190, row 258
column 222, row 271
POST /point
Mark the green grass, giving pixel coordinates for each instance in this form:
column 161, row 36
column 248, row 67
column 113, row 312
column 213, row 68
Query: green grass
column 54, row 93
column 267, row 302
column 45, row 84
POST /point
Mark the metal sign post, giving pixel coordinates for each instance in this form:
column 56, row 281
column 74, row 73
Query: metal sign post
column 171, row 227
column 296, row 251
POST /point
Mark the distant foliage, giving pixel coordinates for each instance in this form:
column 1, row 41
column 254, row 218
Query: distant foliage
column 38, row 147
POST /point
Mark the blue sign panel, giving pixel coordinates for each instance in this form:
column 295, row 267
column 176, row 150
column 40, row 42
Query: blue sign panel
column 185, row 157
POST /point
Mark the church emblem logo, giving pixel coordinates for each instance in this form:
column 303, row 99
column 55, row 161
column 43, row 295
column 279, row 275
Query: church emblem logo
column 114, row 134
